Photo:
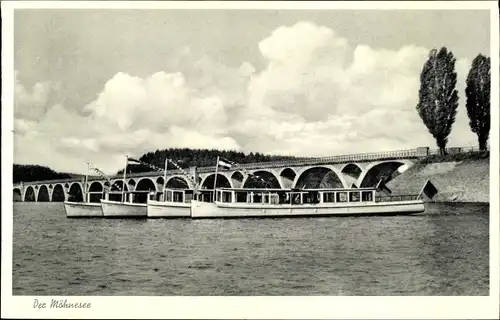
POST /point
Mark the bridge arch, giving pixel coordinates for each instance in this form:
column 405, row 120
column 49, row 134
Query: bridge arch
column 96, row 186
column 58, row 194
column 43, row 194
column 160, row 181
column 75, row 192
column 145, row 184
column 29, row 194
column 237, row 179
column 96, row 191
column 262, row 179
column 351, row 172
column 131, row 184
column 16, row 195
column 352, row 169
column 287, row 176
column 177, row 182
column 378, row 170
column 222, row 182
column 319, row 177
column 117, row 185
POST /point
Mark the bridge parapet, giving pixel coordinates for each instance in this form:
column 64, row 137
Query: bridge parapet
column 360, row 157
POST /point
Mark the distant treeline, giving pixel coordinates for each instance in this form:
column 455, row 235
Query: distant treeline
column 186, row 158
column 28, row 173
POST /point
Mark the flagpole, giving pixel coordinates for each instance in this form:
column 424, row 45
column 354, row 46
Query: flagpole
column 124, row 178
column 165, row 180
column 215, row 179
column 86, row 182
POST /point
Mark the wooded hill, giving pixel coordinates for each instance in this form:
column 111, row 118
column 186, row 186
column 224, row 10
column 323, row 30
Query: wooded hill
column 184, row 157
column 200, row 158
column 30, row 172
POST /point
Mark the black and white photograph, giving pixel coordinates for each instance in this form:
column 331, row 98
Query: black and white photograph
column 185, row 154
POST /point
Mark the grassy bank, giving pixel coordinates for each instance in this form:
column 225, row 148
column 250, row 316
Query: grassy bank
column 458, row 177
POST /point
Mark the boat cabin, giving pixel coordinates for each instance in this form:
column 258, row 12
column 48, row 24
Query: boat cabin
column 294, row 196
column 139, row 196
column 178, row 195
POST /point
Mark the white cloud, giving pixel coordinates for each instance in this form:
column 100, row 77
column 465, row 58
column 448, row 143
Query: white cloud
column 318, row 95
column 30, row 105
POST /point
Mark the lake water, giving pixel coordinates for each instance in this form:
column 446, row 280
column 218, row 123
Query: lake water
column 439, row 253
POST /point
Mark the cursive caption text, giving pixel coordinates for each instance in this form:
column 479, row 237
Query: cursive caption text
column 60, row 304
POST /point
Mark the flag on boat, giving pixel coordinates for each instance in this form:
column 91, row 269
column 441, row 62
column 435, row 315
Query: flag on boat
column 103, row 176
column 153, row 167
column 428, row 189
column 381, row 186
column 132, row 160
column 225, row 163
column 187, row 175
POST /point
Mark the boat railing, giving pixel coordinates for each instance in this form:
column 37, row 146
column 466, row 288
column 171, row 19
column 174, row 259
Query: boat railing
column 392, row 198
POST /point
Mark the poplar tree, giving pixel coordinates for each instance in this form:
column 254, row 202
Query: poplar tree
column 438, row 98
column 478, row 98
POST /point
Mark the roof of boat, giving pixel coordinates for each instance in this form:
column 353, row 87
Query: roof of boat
column 294, row 189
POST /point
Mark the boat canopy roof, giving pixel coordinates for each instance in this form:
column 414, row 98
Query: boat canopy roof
column 295, row 190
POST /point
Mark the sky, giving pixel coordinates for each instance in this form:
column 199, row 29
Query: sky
column 96, row 85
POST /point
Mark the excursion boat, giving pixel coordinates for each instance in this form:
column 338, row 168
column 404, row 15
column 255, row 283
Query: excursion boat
column 85, row 209
column 82, row 209
column 237, row 203
column 176, row 204
column 126, row 208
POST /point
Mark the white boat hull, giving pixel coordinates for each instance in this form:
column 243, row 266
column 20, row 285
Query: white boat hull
column 115, row 209
column 161, row 209
column 82, row 209
column 237, row 210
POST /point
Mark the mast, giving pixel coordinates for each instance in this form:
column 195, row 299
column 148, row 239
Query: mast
column 85, row 183
column 124, row 178
column 215, row 179
column 165, row 179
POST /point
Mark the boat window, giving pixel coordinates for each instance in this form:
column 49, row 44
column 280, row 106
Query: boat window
column 275, row 198
column 218, row 195
column 329, row 197
column 178, row 196
column 241, row 196
column 266, row 198
column 295, row 198
column 257, row 198
column 227, row 196
column 206, row 197
column 366, row 196
column 188, row 196
column 307, row 198
column 311, row 197
column 284, row 197
column 341, row 196
column 354, row 196
column 169, row 195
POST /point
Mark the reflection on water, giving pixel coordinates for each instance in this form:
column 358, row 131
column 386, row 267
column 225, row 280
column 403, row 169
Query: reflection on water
column 439, row 253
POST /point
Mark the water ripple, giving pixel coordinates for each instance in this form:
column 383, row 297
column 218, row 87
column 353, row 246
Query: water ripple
column 438, row 254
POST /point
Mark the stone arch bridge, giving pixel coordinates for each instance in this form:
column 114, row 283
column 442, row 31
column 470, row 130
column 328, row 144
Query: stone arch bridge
column 347, row 171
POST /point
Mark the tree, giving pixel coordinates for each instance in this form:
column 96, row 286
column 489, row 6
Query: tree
column 438, row 98
column 478, row 98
